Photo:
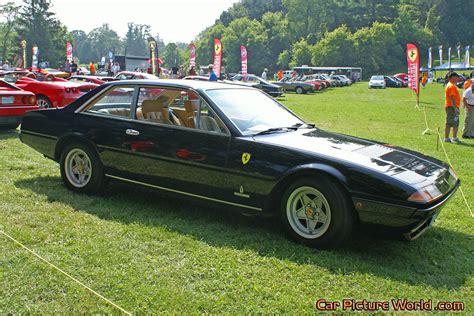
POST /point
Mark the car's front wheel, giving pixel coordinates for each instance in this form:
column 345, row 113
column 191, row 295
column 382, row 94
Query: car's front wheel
column 299, row 90
column 316, row 212
column 81, row 168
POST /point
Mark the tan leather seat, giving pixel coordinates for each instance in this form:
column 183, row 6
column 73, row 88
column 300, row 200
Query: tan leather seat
column 152, row 110
column 117, row 111
column 186, row 115
column 209, row 124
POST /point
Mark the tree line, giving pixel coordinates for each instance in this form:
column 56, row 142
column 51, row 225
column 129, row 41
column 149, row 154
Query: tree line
column 279, row 34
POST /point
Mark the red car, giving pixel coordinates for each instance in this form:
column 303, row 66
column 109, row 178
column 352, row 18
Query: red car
column 92, row 79
column 54, row 92
column 14, row 103
column 402, row 76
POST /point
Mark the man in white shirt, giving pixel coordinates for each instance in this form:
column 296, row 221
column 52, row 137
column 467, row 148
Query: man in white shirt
column 264, row 74
column 468, row 100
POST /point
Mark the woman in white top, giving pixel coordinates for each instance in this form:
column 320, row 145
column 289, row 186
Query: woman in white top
column 468, row 100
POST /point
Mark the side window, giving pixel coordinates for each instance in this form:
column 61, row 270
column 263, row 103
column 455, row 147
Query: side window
column 115, row 102
column 177, row 107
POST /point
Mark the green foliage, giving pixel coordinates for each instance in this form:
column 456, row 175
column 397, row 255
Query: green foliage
column 135, row 42
column 251, row 34
column 205, row 44
column 39, row 27
column 335, row 48
column 155, row 254
column 8, row 43
column 301, row 53
column 171, row 55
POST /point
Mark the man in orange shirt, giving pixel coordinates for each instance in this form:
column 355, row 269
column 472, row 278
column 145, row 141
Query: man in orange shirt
column 467, row 83
column 452, row 103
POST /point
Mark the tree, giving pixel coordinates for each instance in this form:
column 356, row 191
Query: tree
column 38, row 26
column 276, row 28
column 205, row 44
column 335, row 48
column 301, row 53
column 251, row 34
column 103, row 40
column 136, row 39
column 171, row 55
column 9, row 12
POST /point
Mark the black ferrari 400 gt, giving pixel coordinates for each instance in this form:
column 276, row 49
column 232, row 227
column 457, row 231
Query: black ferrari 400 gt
column 240, row 148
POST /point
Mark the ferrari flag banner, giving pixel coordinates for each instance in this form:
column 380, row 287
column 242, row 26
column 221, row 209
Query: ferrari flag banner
column 192, row 53
column 35, row 58
column 413, row 59
column 243, row 59
column 69, row 51
column 440, row 50
column 430, row 59
column 217, row 57
column 468, row 57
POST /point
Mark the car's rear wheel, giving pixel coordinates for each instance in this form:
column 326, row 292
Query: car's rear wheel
column 316, row 212
column 81, row 169
column 43, row 102
column 299, row 90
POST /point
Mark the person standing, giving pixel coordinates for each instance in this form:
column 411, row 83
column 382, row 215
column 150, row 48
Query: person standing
column 468, row 101
column 280, row 75
column 73, row 67
column 92, row 69
column 452, row 103
column 467, row 84
column 264, row 74
column 192, row 71
column 424, row 79
column 67, row 67
column 212, row 74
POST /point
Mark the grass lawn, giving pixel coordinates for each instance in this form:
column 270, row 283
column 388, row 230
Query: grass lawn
column 150, row 253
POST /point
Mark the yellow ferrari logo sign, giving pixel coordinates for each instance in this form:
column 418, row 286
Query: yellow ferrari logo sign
column 246, row 158
column 217, row 48
column 412, row 55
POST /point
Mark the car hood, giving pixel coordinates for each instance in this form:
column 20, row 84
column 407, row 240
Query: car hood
column 409, row 167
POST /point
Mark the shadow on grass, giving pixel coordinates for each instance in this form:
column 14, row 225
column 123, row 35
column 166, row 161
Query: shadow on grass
column 8, row 134
column 438, row 259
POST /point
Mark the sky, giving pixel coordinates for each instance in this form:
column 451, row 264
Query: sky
column 173, row 20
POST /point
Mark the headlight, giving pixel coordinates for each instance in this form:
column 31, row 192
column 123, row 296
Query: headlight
column 426, row 194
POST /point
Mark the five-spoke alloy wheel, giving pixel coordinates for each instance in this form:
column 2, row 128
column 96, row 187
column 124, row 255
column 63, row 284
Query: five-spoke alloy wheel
column 316, row 212
column 81, row 168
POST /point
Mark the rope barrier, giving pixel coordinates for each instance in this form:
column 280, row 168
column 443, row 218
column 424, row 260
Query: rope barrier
column 440, row 140
column 66, row 274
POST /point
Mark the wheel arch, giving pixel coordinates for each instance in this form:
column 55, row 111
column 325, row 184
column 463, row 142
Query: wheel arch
column 303, row 171
column 69, row 139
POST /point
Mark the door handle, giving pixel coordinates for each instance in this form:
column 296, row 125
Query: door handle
column 132, row 132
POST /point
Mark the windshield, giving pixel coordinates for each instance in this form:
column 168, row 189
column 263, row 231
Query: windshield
column 376, row 78
column 251, row 110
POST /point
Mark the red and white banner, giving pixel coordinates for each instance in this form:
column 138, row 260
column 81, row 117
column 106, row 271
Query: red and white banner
column 413, row 59
column 35, row 58
column 243, row 59
column 217, row 57
column 69, row 51
column 192, row 53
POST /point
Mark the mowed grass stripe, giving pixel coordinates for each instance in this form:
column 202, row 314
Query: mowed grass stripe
column 151, row 253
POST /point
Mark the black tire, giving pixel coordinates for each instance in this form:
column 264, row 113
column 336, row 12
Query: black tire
column 96, row 178
column 299, row 90
column 43, row 102
column 335, row 207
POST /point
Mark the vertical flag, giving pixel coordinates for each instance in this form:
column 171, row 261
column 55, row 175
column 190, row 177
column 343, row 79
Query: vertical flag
column 69, row 51
column 458, row 48
column 413, row 60
column 35, row 55
column 449, row 58
column 430, row 58
column 192, row 53
column 468, row 57
column 243, row 59
column 217, row 57
column 440, row 49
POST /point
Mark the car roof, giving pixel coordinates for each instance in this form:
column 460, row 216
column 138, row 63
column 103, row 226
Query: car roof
column 179, row 83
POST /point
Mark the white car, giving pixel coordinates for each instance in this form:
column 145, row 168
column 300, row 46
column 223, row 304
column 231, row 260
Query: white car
column 377, row 81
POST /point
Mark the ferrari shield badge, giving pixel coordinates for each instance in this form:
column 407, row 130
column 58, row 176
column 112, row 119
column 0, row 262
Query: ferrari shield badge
column 246, row 158
column 412, row 55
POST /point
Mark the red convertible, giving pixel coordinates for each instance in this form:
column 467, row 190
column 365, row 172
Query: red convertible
column 54, row 92
column 14, row 103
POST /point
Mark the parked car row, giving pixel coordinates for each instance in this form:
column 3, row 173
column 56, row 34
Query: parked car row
column 396, row 81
